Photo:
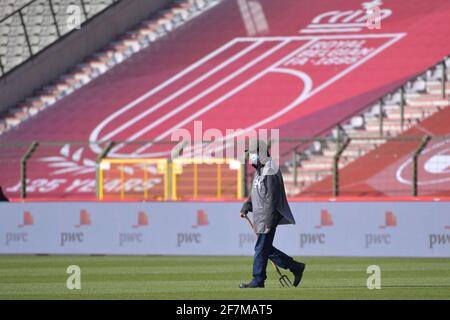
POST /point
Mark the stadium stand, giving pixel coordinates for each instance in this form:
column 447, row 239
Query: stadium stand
column 386, row 170
column 44, row 21
column 421, row 98
column 80, row 75
column 236, row 67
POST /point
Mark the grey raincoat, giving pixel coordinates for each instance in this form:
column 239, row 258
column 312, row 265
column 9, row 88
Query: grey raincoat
column 267, row 199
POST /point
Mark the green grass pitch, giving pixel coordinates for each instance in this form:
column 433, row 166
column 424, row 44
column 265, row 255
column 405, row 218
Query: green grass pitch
column 170, row 277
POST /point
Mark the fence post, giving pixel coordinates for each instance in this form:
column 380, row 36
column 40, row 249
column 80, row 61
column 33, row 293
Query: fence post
column 402, row 107
column 23, row 168
column 26, row 33
column 336, row 159
column 381, row 117
column 100, row 157
column 444, row 77
column 2, row 70
column 52, row 11
column 418, row 151
column 243, row 181
column 339, row 135
column 169, row 178
column 83, row 6
column 294, row 163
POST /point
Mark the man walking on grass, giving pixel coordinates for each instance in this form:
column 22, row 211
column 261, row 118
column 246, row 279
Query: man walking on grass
column 270, row 208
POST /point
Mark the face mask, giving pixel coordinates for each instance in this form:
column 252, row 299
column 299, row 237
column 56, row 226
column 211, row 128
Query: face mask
column 253, row 158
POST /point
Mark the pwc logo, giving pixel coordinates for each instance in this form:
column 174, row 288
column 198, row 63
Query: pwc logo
column 70, row 237
column 382, row 239
column 436, row 240
column 202, row 219
column 27, row 220
column 20, row 237
column 188, row 238
column 326, row 219
column 317, row 238
column 142, row 220
column 85, row 219
column 134, row 237
column 390, row 220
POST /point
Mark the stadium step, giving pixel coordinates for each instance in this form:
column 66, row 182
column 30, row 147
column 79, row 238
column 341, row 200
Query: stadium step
column 428, row 100
column 389, row 124
column 303, row 182
column 18, row 113
column 352, row 150
column 303, row 176
column 12, row 121
column 364, row 133
column 366, row 137
column 412, row 113
column 348, row 152
column 321, row 162
column 48, row 99
column 437, row 88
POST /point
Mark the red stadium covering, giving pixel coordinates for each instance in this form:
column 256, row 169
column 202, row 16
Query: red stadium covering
column 387, row 171
column 297, row 65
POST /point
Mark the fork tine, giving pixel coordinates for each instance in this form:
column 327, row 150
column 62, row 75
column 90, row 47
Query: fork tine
column 285, row 281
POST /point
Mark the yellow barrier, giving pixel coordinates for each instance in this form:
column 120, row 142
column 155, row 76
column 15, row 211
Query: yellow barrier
column 160, row 179
column 194, row 178
column 145, row 179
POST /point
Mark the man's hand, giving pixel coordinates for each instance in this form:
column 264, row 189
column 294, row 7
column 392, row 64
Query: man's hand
column 243, row 215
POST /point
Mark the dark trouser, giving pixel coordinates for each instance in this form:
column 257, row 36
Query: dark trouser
column 264, row 250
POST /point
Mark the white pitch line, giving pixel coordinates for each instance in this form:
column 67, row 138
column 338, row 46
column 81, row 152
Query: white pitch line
column 401, row 168
column 302, row 97
column 228, row 95
column 179, row 92
column 330, row 30
column 205, row 93
column 226, row 46
column 335, row 25
column 323, row 37
column 318, row 89
column 334, row 79
column 94, row 135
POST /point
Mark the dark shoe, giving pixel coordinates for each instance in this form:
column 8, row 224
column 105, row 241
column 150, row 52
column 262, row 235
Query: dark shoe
column 252, row 284
column 297, row 269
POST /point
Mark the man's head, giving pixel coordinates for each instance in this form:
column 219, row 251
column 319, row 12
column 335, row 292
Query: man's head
column 258, row 151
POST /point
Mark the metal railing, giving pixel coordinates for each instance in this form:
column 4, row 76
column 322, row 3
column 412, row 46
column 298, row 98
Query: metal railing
column 408, row 148
column 401, row 90
column 338, row 170
column 29, row 42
